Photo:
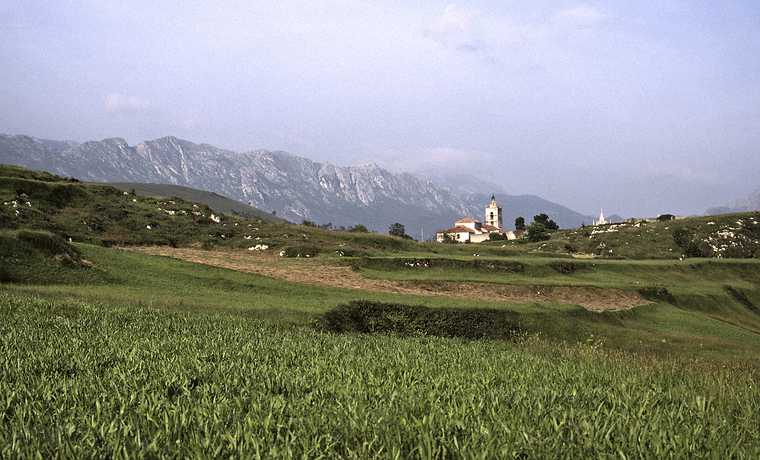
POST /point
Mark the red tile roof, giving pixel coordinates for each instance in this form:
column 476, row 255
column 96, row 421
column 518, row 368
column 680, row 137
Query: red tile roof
column 458, row 229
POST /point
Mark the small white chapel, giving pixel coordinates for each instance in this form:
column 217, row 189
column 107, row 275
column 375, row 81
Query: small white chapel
column 469, row 230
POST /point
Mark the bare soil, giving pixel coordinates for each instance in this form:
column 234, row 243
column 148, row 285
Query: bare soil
column 311, row 271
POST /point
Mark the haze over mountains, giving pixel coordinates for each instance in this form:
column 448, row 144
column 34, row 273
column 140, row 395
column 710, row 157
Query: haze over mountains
column 750, row 203
column 296, row 188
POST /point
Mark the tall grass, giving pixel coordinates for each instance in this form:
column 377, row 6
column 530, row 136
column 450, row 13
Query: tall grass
column 86, row 380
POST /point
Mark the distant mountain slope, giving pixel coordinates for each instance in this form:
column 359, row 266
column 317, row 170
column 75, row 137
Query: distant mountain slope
column 213, row 200
column 295, row 187
column 751, row 203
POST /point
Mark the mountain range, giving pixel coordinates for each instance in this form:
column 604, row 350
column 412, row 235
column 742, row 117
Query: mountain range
column 292, row 187
column 750, row 203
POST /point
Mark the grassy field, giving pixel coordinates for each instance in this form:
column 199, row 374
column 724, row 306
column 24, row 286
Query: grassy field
column 112, row 353
column 151, row 356
column 88, row 379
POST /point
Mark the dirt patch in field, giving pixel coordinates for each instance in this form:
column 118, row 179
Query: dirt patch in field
column 314, row 272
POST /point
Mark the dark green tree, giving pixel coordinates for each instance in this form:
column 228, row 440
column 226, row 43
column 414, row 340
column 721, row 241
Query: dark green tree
column 544, row 220
column 520, row 223
column 397, row 229
column 538, row 232
column 358, row 228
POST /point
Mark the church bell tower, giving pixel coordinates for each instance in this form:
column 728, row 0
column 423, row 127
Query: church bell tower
column 493, row 214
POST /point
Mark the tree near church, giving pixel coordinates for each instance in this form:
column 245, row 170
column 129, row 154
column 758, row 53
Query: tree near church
column 397, row 229
column 359, row 228
column 544, row 220
column 538, row 232
column 520, row 223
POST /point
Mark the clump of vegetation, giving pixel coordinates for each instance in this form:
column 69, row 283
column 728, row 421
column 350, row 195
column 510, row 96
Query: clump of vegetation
column 568, row 267
column 520, row 223
column 300, row 251
column 544, row 220
column 538, row 232
column 399, row 231
column 358, row 228
column 540, row 229
column 415, row 320
column 656, row 294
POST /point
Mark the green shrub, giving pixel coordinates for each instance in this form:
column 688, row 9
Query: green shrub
column 358, row 228
column 682, row 237
column 656, row 294
column 699, row 248
column 538, row 232
column 350, row 252
column 498, row 237
column 544, row 220
column 415, row 320
column 568, row 268
column 300, row 251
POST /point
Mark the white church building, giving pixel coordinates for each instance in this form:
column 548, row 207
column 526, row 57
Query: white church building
column 601, row 220
column 469, row 230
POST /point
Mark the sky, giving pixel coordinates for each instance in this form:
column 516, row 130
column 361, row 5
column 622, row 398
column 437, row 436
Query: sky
column 640, row 107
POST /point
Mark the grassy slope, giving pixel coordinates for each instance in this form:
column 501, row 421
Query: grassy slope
column 728, row 235
column 217, row 202
column 102, row 214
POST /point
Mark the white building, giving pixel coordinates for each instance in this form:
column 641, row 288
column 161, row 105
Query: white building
column 601, row 220
column 469, row 230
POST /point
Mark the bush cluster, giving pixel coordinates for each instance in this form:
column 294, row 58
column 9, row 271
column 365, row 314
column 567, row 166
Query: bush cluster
column 416, row 320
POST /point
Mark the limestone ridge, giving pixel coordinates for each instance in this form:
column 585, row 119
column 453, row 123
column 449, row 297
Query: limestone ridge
column 296, row 188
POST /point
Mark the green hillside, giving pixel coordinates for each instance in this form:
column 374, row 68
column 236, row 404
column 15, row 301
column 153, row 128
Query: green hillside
column 102, row 214
column 722, row 236
column 218, row 203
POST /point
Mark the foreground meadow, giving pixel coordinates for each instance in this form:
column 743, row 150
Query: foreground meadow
column 95, row 380
column 133, row 355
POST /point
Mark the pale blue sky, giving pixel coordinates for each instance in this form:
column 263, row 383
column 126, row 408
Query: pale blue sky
column 640, row 107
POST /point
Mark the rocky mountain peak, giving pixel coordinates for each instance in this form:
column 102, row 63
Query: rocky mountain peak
column 296, row 188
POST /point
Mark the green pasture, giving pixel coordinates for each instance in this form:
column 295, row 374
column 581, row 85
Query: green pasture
column 93, row 380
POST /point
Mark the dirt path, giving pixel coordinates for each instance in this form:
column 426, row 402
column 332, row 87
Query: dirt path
column 312, row 272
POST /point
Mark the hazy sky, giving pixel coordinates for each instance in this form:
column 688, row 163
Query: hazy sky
column 640, row 107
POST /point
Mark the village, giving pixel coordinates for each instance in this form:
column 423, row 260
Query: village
column 470, row 230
